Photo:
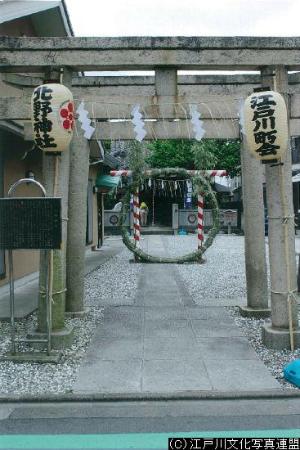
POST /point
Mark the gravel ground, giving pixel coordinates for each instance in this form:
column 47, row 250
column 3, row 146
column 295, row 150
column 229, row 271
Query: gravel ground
column 115, row 283
column 114, row 277
column 32, row 378
column 221, row 279
column 275, row 360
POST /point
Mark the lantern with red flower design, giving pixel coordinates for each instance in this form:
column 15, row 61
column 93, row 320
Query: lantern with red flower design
column 52, row 117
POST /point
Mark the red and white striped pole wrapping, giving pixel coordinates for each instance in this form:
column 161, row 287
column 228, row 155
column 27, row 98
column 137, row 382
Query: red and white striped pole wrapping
column 200, row 220
column 209, row 173
column 121, row 173
column 136, row 218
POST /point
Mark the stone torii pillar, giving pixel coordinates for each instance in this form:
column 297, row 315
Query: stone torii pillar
column 284, row 330
column 78, row 182
column 254, row 229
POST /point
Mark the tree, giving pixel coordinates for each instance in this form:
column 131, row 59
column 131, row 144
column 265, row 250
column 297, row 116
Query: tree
column 206, row 154
column 170, row 153
column 204, row 157
column 226, row 153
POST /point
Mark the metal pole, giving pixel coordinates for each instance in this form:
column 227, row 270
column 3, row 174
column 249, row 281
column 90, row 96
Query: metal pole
column 12, row 301
column 49, row 285
column 25, row 180
column 153, row 210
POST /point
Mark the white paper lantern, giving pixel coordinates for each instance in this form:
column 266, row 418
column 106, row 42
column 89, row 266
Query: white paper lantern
column 52, row 117
column 266, row 125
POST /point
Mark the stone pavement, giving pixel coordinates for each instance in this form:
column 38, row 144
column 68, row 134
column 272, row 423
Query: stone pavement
column 26, row 289
column 165, row 343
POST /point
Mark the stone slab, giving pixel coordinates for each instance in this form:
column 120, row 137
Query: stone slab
column 169, row 376
column 122, row 312
column 158, row 299
column 165, row 312
column 168, row 328
column 162, row 290
column 171, row 348
column 231, row 348
column 128, row 327
column 246, row 375
column 208, row 313
column 224, row 301
column 205, row 328
column 109, row 377
column 115, row 348
column 32, row 357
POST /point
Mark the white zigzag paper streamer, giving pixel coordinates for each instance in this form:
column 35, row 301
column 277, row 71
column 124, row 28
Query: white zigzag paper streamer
column 197, row 123
column 140, row 133
column 85, row 121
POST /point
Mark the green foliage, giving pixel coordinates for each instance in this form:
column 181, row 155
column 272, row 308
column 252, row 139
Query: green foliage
column 204, row 156
column 136, row 160
column 136, row 156
column 170, row 153
column 207, row 154
column 106, row 144
column 226, row 152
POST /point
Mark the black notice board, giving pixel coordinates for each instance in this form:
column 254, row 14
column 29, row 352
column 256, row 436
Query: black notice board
column 30, row 223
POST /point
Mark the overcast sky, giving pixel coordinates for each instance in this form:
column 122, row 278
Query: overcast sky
column 185, row 17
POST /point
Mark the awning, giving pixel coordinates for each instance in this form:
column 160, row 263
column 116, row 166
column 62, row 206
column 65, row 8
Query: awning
column 106, row 182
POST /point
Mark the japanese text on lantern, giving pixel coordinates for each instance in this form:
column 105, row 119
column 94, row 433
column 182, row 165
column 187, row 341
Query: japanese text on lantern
column 265, row 132
column 42, row 125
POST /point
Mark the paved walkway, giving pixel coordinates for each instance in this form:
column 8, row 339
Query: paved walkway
column 165, row 343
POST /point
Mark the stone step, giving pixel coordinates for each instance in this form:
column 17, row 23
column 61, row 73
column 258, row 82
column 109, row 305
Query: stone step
column 157, row 230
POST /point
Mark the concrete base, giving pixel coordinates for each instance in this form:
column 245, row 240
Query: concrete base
column 59, row 339
column 279, row 339
column 257, row 313
column 77, row 314
column 36, row 357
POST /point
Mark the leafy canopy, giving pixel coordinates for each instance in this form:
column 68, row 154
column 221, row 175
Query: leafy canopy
column 170, row 153
column 206, row 154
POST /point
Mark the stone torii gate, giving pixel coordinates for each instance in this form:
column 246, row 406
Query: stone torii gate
column 273, row 57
